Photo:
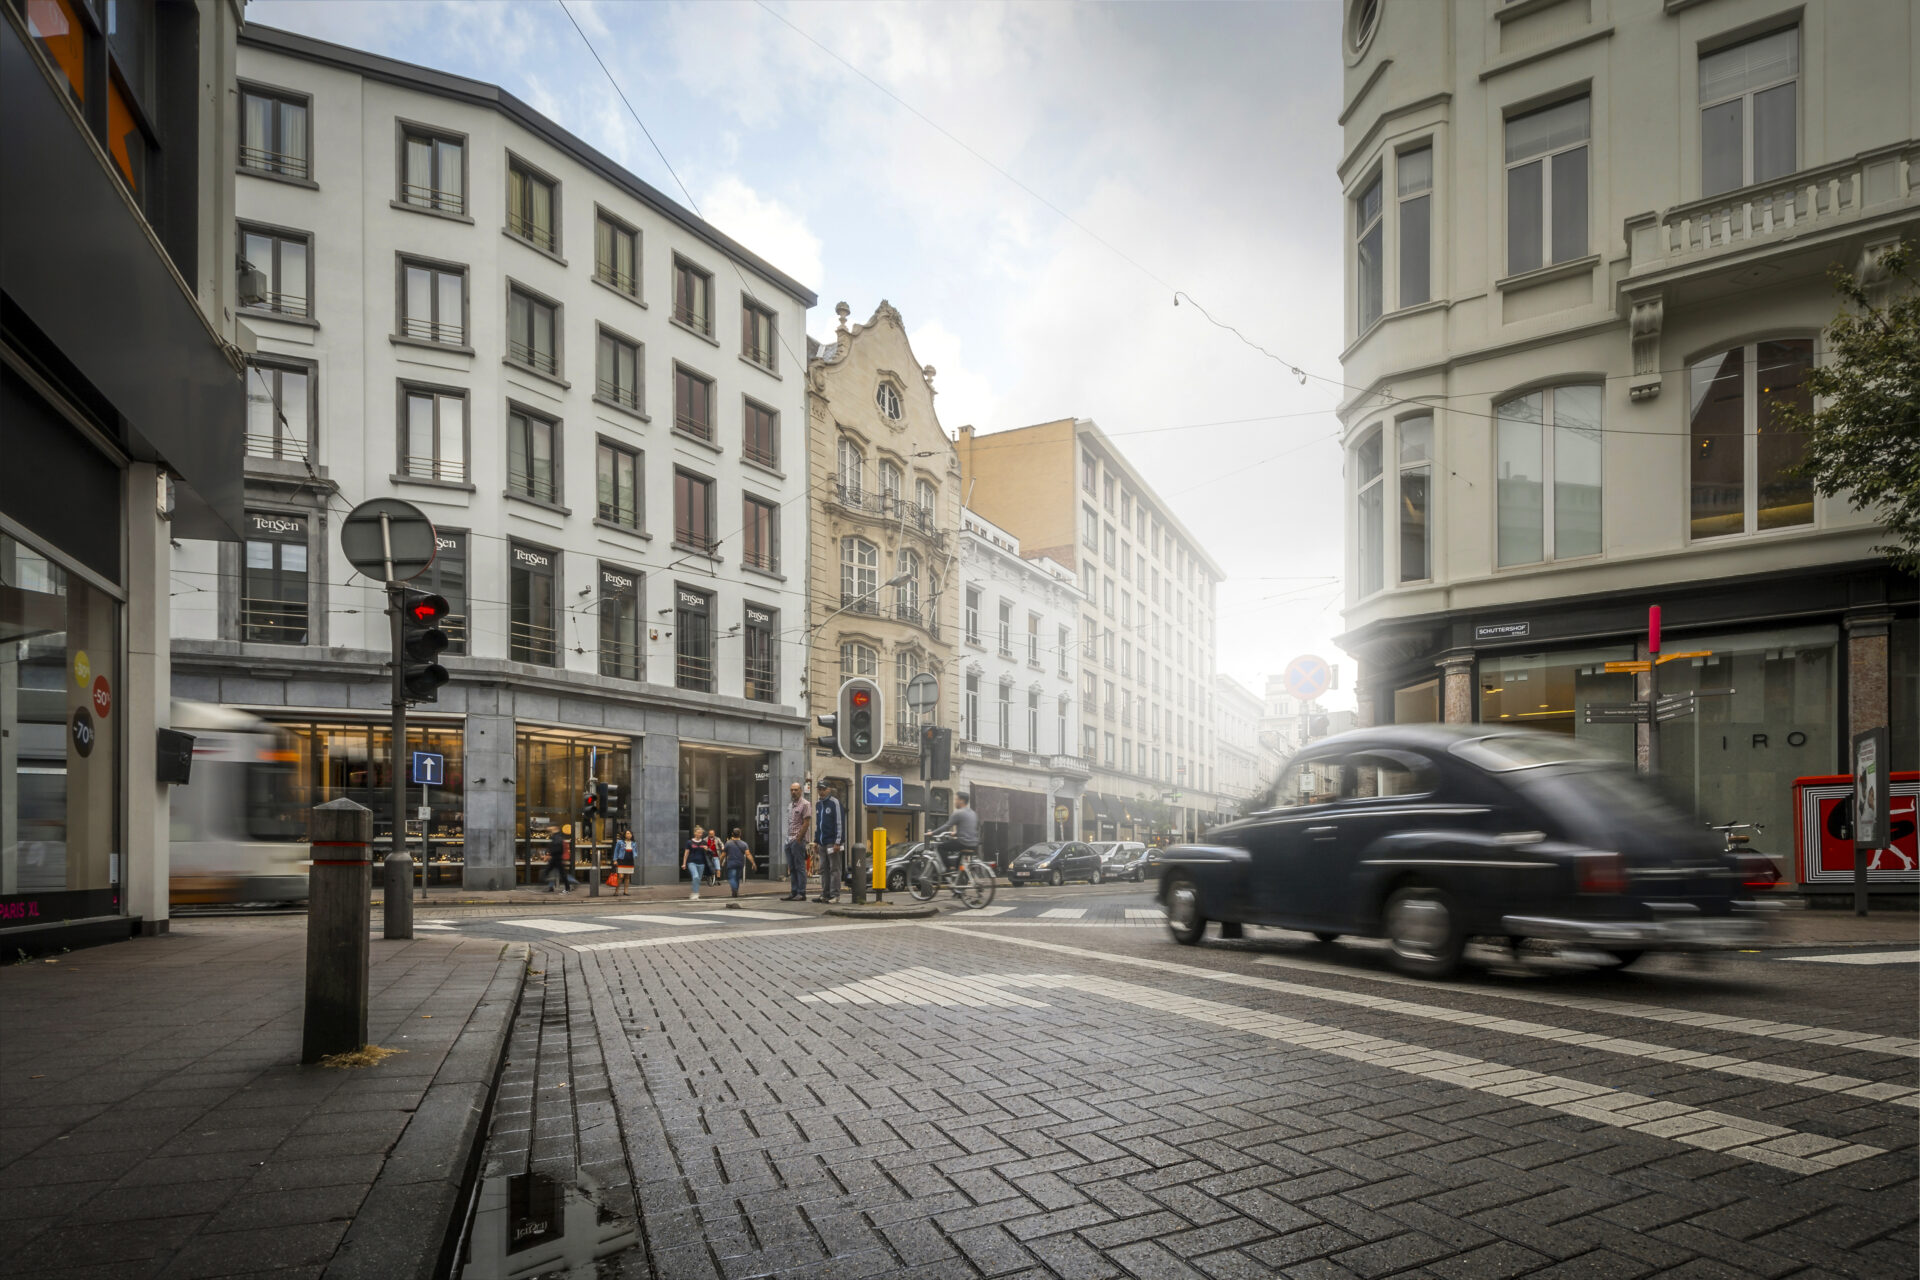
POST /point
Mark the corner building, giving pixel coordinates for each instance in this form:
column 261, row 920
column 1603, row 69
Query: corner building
column 121, row 411
column 1587, row 246
column 1146, row 631
column 885, row 511
column 595, row 396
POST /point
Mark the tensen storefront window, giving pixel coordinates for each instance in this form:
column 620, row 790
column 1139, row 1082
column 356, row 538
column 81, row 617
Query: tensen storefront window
column 273, row 584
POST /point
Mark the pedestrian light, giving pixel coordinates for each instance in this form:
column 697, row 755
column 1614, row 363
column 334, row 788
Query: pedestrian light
column 829, row 742
column 421, row 644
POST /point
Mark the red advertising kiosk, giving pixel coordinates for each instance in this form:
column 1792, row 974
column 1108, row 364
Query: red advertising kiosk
column 1823, row 835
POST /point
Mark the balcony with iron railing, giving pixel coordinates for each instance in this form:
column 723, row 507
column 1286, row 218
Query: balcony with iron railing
column 273, row 621
column 626, row 395
column 285, row 164
column 862, row 604
column 540, row 361
column 539, row 488
column 622, row 512
column 452, row 335
column 850, row 496
column 614, row 278
column 761, row 558
column 421, row 467
column 536, row 233
column 762, row 683
column 619, row 658
column 696, row 540
column 529, row 641
column 455, row 625
column 693, row 671
column 276, row 444
column 433, row 198
column 698, row 428
column 284, row 304
column 687, row 316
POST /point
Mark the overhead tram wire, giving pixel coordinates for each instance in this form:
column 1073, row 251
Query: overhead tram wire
column 1298, row 371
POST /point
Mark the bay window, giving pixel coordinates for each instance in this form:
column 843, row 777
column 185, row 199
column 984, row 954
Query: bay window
column 1368, row 267
column 1546, row 153
column 1554, row 431
column 1368, row 511
column 1742, row 455
column 1416, row 497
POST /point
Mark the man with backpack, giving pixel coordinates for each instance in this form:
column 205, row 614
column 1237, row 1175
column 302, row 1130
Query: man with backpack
column 830, row 830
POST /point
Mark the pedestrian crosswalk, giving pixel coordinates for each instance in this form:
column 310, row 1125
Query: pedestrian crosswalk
column 1065, row 913
column 558, row 926
column 1863, row 957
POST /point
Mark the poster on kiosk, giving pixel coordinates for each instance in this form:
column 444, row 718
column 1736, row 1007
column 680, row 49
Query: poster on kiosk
column 1824, row 829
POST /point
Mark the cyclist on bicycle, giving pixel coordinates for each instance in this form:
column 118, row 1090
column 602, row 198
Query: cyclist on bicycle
column 964, row 823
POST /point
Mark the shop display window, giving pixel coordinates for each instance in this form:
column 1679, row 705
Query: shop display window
column 61, row 705
column 1550, row 692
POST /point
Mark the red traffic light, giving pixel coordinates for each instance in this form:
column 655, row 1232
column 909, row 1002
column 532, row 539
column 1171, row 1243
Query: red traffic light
column 861, row 697
column 426, row 609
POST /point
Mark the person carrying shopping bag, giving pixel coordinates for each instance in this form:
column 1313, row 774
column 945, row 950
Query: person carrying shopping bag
column 736, row 858
column 623, row 864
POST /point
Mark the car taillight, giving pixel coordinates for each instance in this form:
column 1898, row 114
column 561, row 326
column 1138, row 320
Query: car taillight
column 1602, row 873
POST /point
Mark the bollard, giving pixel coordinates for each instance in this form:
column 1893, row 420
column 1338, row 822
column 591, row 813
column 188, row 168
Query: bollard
column 339, row 911
column 593, row 891
column 398, row 898
column 858, row 853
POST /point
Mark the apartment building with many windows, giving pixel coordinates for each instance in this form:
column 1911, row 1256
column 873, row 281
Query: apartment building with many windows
column 1146, row 632
column 1018, row 756
column 1243, row 762
column 598, row 400
column 885, row 512
column 1588, row 244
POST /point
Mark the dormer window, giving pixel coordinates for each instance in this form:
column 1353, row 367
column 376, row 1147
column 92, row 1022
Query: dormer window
column 888, row 398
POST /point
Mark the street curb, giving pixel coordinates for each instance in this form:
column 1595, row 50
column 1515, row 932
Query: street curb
column 408, row 1227
column 885, row 911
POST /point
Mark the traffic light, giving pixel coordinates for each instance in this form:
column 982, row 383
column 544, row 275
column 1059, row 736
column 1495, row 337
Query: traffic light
column 609, row 801
column 862, row 731
column 830, row 741
column 421, row 643
column 936, row 753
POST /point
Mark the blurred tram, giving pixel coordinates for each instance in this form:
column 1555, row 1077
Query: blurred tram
column 238, row 836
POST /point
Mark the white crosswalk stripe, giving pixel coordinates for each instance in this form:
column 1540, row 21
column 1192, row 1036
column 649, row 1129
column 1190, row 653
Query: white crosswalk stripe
column 1862, row 1041
column 559, row 926
column 1862, row 957
column 1146, row 913
column 643, row 918
column 987, row 911
column 744, row 914
column 1064, row 913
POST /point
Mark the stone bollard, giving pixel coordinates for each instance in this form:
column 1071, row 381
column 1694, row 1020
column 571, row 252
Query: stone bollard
column 397, row 901
column 339, row 916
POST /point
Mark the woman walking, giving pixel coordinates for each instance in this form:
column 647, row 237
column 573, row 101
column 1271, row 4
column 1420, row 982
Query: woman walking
column 623, row 864
column 695, row 858
column 736, row 859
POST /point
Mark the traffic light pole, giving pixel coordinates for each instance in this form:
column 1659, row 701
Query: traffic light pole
column 397, row 750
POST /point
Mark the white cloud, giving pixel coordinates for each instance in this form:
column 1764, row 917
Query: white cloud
column 965, row 395
column 766, row 226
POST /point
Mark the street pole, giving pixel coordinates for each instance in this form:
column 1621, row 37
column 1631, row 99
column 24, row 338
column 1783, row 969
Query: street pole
column 1653, row 690
column 398, row 924
column 854, row 824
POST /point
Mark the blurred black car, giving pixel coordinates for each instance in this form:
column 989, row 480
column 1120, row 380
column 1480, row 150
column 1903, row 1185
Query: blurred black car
column 1056, row 862
column 1428, row 835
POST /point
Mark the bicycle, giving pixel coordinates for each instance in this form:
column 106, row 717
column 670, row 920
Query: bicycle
column 971, row 879
column 1757, row 870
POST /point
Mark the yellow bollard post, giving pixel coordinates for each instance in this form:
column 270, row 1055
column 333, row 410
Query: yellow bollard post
column 879, row 841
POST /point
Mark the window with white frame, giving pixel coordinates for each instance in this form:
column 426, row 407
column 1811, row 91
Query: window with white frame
column 1551, row 432
column 890, row 480
column 886, row 397
column 1369, row 511
column 857, row 659
column 1066, row 647
column 1033, row 639
column 1060, row 726
column 970, row 709
column 1546, row 156
column 1415, row 502
column 852, row 467
column 1369, row 270
column 972, row 616
column 1005, row 632
column 1006, row 713
column 906, row 593
column 433, row 302
column 1413, row 179
column 859, row 575
column 1749, row 111
column 1743, row 457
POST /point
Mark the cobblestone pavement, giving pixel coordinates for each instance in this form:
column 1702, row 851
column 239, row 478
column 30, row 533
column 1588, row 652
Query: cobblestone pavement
column 1038, row 1093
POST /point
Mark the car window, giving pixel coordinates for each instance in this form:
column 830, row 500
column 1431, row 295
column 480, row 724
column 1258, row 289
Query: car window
column 1373, row 774
column 1306, row 782
column 1503, row 752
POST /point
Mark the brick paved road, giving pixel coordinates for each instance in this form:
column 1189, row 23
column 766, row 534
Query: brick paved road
column 1037, row 1094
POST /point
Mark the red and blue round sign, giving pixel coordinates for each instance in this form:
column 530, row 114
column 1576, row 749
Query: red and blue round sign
column 1307, row 677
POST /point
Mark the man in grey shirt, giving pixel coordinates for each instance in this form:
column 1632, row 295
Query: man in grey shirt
column 965, row 826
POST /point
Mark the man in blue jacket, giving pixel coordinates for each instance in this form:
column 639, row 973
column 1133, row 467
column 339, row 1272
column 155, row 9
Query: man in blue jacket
column 830, row 830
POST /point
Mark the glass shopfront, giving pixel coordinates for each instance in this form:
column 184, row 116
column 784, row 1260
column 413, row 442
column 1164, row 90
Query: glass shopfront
column 554, row 768
column 1417, row 703
column 721, row 789
column 1769, row 713
column 336, row 760
column 61, row 705
column 1550, row 692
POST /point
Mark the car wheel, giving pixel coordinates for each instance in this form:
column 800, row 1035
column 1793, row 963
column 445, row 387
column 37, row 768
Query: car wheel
column 1423, row 932
column 1135, row 877
column 896, row 882
column 1097, row 876
column 1056, row 879
column 1184, row 920
column 1326, row 937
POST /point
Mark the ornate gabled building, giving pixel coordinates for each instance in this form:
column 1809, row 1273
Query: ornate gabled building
column 884, row 519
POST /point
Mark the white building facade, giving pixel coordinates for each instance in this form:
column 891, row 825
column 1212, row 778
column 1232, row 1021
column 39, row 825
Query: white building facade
column 1242, row 764
column 1019, row 666
column 597, row 398
column 1587, row 246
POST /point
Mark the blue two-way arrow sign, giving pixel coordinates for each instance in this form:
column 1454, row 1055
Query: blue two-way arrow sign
column 883, row 791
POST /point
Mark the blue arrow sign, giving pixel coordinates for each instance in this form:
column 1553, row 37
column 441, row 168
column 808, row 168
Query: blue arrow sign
column 429, row 769
column 883, row 791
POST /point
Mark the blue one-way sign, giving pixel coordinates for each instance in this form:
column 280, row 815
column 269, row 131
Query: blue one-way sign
column 429, row 769
column 883, row 791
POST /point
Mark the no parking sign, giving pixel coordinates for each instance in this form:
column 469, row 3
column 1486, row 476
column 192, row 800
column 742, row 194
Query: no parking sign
column 1307, row 677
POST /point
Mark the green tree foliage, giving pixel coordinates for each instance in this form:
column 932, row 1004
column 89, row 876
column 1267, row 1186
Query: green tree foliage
column 1865, row 442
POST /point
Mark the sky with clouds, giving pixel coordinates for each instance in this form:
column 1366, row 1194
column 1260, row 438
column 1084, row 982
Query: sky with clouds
column 1029, row 184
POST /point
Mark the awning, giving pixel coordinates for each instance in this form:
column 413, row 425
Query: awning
column 1107, row 807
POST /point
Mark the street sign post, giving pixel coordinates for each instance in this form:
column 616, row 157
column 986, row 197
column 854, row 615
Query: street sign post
column 1872, row 807
column 429, row 769
column 1617, row 713
column 882, row 791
